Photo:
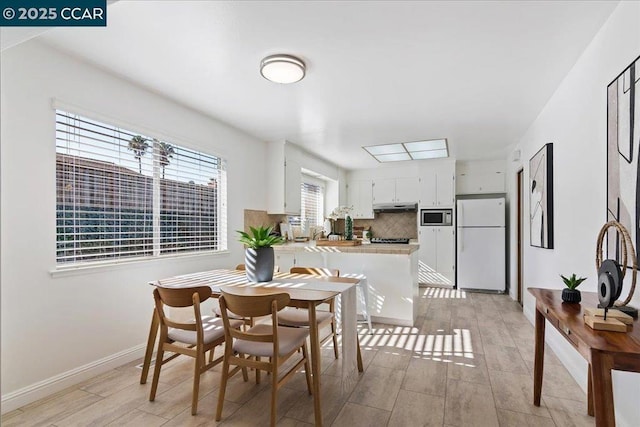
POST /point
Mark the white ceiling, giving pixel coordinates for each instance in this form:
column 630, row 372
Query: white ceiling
column 477, row 73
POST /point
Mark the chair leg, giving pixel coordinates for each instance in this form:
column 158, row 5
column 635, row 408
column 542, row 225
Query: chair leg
column 198, row 363
column 223, row 385
column 245, row 374
column 335, row 337
column 359, row 355
column 307, row 367
column 257, row 371
column 156, row 370
column 274, row 394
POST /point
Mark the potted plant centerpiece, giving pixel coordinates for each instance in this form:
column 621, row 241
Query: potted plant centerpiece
column 570, row 293
column 258, row 257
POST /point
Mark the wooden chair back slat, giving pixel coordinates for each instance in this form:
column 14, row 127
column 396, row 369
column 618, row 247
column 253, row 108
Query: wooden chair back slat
column 253, row 305
column 178, row 297
column 316, row 271
column 183, row 297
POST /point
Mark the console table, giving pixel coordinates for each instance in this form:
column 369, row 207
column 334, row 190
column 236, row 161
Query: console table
column 603, row 350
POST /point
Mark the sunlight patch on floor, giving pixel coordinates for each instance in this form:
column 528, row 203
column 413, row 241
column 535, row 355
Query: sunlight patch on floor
column 434, row 346
column 444, row 293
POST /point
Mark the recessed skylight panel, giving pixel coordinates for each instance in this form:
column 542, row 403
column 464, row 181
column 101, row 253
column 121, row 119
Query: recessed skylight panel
column 414, row 150
column 396, row 157
column 434, row 144
column 375, row 150
column 429, row 154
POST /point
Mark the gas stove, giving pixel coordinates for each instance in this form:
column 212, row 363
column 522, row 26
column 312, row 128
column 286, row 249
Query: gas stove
column 396, row 240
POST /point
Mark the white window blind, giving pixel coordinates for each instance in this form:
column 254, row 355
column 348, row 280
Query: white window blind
column 312, row 204
column 121, row 194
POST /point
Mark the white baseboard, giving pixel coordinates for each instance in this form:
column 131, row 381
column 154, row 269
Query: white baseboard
column 41, row 389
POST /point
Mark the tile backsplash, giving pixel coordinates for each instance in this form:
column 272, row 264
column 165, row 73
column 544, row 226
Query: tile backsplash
column 397, row 224
column 385, row 224
column 253, row 218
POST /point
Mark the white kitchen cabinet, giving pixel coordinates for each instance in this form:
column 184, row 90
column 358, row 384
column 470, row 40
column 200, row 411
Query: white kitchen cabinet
column 360, row 196
column 407, row 190
column 284, row 261
column 292, row 187
column 436, row 255
column 287, row 259
column 395, row 190
column 437, row 185
column 283, row 181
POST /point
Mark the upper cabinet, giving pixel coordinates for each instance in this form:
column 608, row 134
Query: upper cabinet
column 395, row 190
column 292, row 187
column 479, row 177
column 284, row 180
column 360, row 196
column 437, row 184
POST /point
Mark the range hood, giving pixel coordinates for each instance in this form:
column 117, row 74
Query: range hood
column 395, row 207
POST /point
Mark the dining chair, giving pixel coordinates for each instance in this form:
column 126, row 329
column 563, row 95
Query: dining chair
column 193, row 338
column 248, row 321
column 276, row 344
column 299, row 317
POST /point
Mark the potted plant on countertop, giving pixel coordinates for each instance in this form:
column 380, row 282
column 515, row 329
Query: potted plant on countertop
column 258, row 256
column 570, row 293
column 339, row 212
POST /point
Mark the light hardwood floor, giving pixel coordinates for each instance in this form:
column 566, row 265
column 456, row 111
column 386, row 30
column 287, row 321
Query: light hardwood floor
column 467, row 362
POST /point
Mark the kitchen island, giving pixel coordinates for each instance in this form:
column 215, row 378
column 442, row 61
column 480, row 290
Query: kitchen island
column 391, row 271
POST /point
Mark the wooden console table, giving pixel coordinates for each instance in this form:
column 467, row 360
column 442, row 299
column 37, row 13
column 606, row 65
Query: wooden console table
column 603, row 350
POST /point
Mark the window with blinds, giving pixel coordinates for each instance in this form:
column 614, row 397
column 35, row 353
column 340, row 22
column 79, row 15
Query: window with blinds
column 312, row 208
column 120, row 194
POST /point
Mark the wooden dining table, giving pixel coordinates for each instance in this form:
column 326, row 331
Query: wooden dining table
column 305, row 291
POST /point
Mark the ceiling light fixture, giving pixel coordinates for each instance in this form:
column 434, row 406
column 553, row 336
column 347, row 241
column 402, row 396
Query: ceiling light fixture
column 282, row 68
column 415, row 150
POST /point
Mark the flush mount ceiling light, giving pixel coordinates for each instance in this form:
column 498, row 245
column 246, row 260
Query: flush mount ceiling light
column 415, row 150
column 282, row 68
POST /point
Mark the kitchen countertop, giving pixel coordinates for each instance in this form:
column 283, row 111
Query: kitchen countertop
column 372, row 248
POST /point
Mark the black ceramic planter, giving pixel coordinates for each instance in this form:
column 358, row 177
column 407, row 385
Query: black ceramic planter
column 259, row 264
column 571, row 295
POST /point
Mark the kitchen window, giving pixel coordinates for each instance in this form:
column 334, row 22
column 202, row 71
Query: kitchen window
column 124, row 195
column 312, row 207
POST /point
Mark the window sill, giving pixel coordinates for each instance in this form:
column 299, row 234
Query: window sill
column 102, row 266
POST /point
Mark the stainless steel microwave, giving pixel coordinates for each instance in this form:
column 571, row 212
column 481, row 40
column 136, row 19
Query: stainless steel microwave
column 436, row 216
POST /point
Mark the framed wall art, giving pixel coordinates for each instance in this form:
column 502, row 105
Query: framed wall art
column 623, row 144
column 541, row 198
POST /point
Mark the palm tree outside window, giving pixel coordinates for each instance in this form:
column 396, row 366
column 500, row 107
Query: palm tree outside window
column 139, row 146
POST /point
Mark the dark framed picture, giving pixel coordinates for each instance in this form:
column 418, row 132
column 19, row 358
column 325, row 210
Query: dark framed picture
column 541, row 198
column 623, row 143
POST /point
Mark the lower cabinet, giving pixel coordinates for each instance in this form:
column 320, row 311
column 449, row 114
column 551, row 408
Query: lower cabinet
column 286, row 260
column 436, row 255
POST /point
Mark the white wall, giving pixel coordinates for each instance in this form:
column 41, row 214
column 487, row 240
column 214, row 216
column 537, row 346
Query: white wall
column 574, row 119
column 51, row 326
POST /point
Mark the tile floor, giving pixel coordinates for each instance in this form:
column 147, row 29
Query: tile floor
column 467, row 362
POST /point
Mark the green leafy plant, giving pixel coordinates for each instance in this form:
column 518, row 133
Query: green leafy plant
column 259, row 238
column 572, row 282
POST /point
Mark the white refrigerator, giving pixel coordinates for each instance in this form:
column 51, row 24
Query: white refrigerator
column 481, row 244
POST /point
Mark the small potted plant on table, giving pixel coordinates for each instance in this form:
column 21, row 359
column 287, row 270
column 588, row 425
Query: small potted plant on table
column 259, row 257
column 570, row 293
